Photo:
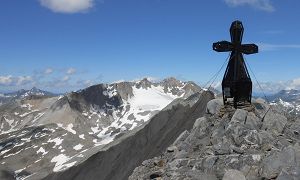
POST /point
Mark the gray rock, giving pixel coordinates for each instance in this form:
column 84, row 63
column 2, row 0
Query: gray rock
column 171, row 149
column 274, row 122
column 214, row 106
column 177, row 163
column 222, row 147
column 284, row 176
column 209, row 161
column 239, row 116
column 251, row 172
column 201, row 176
column 294, row 129
column 181, row 137
column 253, row 121
column 277, row 161
column 199, row 122
column 233, row 174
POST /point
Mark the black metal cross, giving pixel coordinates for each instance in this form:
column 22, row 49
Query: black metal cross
column 236, row 84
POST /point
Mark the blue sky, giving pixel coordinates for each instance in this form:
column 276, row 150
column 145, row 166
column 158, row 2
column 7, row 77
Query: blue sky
column 63, row 45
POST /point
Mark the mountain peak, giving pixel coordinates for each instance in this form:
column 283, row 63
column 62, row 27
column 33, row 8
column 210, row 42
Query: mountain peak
column 144, row 83
column 172, row 82
column 34, row 89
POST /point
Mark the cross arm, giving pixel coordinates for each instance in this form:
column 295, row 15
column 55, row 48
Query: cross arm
column 222, row 46
column 249, row 48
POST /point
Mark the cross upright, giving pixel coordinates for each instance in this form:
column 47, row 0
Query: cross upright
column 236, row 84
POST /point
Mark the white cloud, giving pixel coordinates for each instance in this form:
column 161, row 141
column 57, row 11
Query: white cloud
column 274, row 87
column 149, row 78
column 66, row 78
column 15, row 81
column 23, row 80
column 71, row 71
column 48, row 71
column 268, row 87
column 264, row 5
column 294, row 84
column 275, row 47
column 60, row 80
column 88, row 83
column 6, row 80
column 68, row 6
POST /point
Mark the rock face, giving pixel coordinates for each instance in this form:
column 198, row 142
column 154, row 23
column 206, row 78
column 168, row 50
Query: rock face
column 118, row 159
column 234, row 145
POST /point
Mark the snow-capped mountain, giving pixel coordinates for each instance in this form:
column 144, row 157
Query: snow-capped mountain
column 6, row 97
column 46, row 133
column 289, row 99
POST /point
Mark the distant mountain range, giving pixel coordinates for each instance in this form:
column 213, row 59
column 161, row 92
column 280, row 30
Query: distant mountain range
column 5, row 97
column 289, row 99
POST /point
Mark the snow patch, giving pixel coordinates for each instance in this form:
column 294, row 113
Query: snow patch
column 57, row 141
column 69, row 128
column 38, row 116
column 20, row 170
column 153, row 98
column 60, row 97
column 28, row 106
column 60, row 161
column 256, row 157
column 9, row 121
column 286, row 104
column 78, row 147
column 81, row 136
column 5, row 151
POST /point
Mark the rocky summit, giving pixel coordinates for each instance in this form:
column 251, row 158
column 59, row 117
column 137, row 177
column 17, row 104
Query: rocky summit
column 228, row 144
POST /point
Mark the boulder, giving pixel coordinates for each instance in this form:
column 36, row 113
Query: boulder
column 278, row 161
column 171, row 149
column 233, row 174
column 284, row 176
column 274, row 122
column 214, row 106
column 253, row 121
column 239, row 116
column 199, row 122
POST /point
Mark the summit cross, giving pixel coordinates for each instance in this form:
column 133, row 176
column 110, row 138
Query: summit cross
column 236, row 84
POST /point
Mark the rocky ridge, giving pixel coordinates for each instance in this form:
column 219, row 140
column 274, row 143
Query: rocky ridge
column 236, row 145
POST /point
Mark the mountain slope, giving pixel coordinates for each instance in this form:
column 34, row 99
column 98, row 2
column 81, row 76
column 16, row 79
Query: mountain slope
column 117, row 160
